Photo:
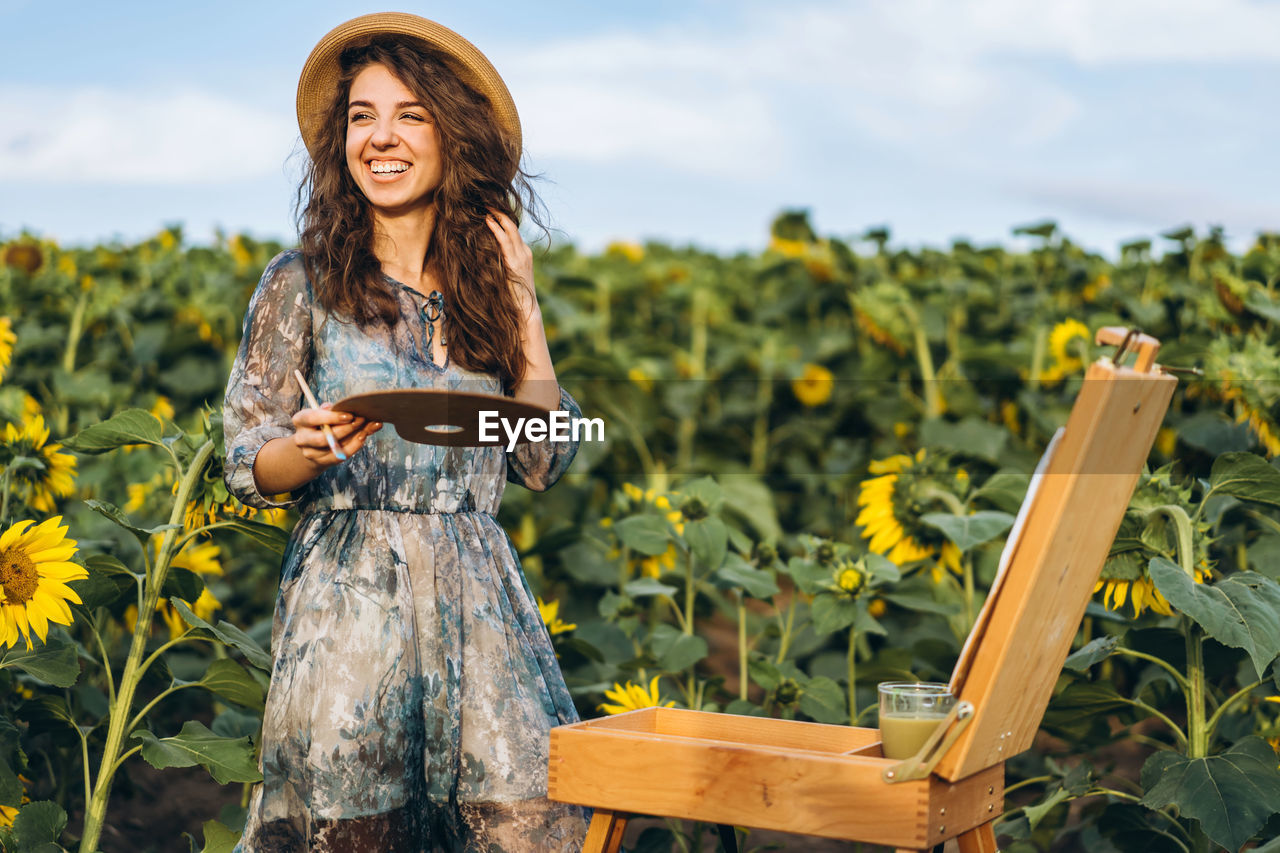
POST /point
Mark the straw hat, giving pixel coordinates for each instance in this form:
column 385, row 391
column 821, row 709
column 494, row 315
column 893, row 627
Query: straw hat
column 321, row 72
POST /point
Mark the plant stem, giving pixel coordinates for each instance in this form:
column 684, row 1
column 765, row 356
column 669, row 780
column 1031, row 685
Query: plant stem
column 96, row 806
column 73, row 334
column 853, row 675
column 697, row 373
column 1197, row 731
column 1177, row 676
column 1174, row 727
column 967, row 568
column 1239, row 694
column 933, row 404
column 742, row 647
column 784, row 643
column 764, row 399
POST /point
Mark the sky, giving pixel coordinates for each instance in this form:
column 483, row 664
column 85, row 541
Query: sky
column 690, row 122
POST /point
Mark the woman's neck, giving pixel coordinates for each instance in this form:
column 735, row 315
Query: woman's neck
column 400, row 243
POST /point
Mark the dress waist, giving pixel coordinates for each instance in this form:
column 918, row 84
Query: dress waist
column 316, row 509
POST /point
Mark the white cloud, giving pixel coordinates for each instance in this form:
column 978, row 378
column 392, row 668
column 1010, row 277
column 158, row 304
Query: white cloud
column 1153, row 204
column 94, row 135
column 936, row 76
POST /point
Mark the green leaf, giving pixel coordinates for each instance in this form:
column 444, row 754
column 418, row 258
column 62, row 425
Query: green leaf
column 132, row 426
column 114, row 513
column 641, row 587
column 708, row 539
column 182, row 583
column 882, row 569
column 748, row 498
column 218, row 838
column 53, row 661
column 1241, row 610
column 1004, row 489
column 648, row 534
column 811, row 577
column 764, row 673
column 737, row 573
column 267, row 535
column 587, row 561
column 37, row 824
column 823, row 700
column 967, row 531
column 230, row 681
column 706, row 490
column 832, row 613
column 971, row 436
column 1036, row 813
column 226, row 759
column 1215, row 433
column 1095, row 650
column 677, row 651
column 227, row 633
column 1247, row 477
column 922, row 603
column 108, row 580
column 1232, row 794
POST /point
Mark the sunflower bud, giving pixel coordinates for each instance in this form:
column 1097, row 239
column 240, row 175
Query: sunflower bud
column 788, row 692
column 825, row 553
column 693, row 508
column 766, row 555
column 849, row 578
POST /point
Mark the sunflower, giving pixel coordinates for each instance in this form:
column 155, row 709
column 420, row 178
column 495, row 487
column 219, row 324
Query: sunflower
column 643, row 380
column 893, row 501
column 813, row 386
column 7, row 340
column 626, row 250
column 53, row 478
column 551, row 618
column 878, row 311
column 1242, row 373
column 1146, row 534
column 632, row 697
column 9, row 813
column 35, row 567
column 1069, row 345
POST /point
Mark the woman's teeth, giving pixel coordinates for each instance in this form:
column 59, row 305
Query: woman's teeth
column 381, row 168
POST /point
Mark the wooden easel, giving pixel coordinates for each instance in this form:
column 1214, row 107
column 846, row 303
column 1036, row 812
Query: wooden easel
column 832, row 781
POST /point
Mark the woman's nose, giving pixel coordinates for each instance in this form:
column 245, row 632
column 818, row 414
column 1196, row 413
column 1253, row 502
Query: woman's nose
column 384, row 134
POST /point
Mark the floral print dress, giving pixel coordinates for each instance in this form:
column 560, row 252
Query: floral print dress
column 414, row 683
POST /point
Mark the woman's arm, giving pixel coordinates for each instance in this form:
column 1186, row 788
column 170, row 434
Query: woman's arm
column 539, row 386
column 284, row 464
column 271, row 448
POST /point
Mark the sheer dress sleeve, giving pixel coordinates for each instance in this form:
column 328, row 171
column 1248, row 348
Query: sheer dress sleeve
column 262, row 394
column 537, row 465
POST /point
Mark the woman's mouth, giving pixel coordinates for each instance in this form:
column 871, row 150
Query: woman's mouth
column 388, row 170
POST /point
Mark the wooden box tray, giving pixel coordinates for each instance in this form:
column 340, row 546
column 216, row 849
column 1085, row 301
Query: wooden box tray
column 807, row 778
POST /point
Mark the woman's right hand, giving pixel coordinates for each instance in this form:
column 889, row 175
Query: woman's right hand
column 350, row 431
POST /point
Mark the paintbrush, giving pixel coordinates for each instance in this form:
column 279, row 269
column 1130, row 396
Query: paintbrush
column 311, row 401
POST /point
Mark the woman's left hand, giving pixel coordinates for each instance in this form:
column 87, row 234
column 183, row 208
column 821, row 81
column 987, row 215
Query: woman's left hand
column 519, row 258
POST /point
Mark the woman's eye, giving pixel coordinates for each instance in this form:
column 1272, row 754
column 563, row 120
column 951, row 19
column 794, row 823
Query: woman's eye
column 413, row 116
column 360, row 116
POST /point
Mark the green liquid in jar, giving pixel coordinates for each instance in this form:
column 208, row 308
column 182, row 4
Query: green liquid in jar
column 902, row 737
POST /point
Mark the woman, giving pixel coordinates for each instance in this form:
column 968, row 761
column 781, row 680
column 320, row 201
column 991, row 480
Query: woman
column 413, row 683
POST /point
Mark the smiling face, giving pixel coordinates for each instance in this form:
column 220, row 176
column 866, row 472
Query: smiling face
column 393, row 152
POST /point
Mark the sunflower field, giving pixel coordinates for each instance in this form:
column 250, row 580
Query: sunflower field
column 812, row 457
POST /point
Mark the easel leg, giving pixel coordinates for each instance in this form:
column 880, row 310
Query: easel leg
column 981, row 839
column 605, row 833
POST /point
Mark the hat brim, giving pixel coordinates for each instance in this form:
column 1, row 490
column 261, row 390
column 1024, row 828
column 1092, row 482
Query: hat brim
column 320, row 73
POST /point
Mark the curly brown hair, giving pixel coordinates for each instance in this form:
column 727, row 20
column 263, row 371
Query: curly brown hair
column 480, row 172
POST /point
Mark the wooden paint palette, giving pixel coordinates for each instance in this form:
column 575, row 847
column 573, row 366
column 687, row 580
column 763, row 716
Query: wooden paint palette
column 447, row 418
